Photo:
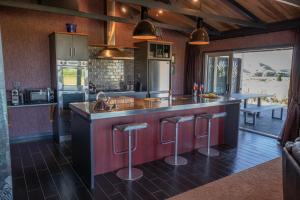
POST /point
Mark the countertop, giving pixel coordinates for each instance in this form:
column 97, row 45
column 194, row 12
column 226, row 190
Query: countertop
column 31, row 105
column 140, row 106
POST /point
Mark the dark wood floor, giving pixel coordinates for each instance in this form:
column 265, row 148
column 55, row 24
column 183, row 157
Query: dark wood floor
column 42, row 170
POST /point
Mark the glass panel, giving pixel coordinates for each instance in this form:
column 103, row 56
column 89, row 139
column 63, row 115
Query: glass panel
column 73, row 77
column 236, row 75
column 217, row 74
column 159, row 50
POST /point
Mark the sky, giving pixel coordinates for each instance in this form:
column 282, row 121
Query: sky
column 278, row 59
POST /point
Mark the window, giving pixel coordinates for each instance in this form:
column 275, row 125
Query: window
column 217, row 72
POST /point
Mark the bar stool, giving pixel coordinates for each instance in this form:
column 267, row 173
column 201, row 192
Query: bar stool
column 174, row 160
column 128, row 173
column 210, row 152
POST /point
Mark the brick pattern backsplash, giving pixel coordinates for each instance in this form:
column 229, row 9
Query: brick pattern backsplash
column 110, row 74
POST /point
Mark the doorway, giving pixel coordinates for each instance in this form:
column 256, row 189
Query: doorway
column 263, row 72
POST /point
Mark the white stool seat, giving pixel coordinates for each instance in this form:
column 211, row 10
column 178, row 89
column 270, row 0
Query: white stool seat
column 179, row 119
column 131, row 127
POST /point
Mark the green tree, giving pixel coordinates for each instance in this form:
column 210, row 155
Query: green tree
column 279, row 77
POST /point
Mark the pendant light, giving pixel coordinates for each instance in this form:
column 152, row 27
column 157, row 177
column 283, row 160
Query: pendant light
column 144, row 30
column 199, row 36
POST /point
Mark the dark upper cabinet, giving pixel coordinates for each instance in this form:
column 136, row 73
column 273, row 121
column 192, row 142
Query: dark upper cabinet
column 64, row 46
column 70, row 46
column 80, row 47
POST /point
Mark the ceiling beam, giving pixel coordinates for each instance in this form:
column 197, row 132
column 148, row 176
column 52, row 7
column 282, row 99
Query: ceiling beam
column 233, row 4
column 211, row 30
column 271, row 27
column 63, row 11
column 193, row 12
column 155, row 21
column 295, row 3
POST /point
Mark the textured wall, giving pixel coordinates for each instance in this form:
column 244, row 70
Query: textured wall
column 109, row 74
column 26, row 56
column 5, row 163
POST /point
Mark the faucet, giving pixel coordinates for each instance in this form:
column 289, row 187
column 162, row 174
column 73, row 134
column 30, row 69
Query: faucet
column 102, row 102
column 99, row 94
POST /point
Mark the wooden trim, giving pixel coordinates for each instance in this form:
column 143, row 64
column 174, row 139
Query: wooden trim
column 233, row 4
column 68, row 33
column 295, row 3
column 192, row 12
column 265, row 47
column 272, row 27
column 112, row 46
column 31, row 138
column 101, row 17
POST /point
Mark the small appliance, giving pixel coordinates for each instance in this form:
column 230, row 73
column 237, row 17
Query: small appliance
column 15, row 97
column 39, row 96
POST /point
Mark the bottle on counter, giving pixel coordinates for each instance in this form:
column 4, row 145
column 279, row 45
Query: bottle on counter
column 15, row 97
column 21, row 98
column 201, row 89
column 195, row 89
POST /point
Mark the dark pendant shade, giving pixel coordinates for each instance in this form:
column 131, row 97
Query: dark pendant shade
column 144, row 30
column 199, row 37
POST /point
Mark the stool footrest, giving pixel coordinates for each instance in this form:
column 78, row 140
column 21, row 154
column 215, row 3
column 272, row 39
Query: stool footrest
column 167, row 142
column 200, row 136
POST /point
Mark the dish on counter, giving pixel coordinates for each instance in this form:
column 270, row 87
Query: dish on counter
column 152, row 99
column 209, row 96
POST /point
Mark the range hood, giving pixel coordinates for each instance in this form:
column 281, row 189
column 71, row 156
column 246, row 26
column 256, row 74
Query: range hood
column 111, row 51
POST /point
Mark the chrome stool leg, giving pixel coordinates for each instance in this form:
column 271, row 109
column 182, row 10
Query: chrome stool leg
column 176, row 160
column 210, row 152
column 129, row 173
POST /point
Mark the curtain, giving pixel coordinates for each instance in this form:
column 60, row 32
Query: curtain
column 292, row 123
column 193, row 67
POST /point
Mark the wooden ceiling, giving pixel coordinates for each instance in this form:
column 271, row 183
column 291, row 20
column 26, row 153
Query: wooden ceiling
column 249, row 11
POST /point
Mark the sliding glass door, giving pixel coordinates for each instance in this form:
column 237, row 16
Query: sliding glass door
column 217, row 72
column 222, row 73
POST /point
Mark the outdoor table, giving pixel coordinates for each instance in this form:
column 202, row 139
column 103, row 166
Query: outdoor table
column 245, row 97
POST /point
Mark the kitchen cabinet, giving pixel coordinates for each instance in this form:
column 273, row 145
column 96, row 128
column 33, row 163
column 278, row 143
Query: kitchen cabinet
column 70, row 46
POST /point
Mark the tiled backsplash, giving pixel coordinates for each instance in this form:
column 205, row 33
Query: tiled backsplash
column 108, row 74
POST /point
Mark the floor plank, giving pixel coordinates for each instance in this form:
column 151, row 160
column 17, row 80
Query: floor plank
column 43, row 170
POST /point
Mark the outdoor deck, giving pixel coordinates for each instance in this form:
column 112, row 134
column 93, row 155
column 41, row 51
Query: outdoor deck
column 265, row 123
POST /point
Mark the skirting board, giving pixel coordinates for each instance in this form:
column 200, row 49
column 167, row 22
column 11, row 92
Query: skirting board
column 30, row 138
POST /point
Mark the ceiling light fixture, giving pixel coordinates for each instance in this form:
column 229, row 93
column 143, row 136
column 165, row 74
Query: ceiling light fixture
column 199, row 36
column 144, row 30
column 124, row 9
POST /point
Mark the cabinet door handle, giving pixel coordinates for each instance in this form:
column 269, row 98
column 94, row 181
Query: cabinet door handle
column 71, row 52
column 74, row 52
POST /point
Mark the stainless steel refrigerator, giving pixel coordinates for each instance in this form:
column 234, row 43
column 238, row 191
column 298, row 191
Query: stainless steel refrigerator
column 159, row 78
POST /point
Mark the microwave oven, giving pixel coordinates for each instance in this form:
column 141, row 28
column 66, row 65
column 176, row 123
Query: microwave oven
column 40, row 96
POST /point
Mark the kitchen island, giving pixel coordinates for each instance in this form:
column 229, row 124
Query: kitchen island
column 92, row 131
